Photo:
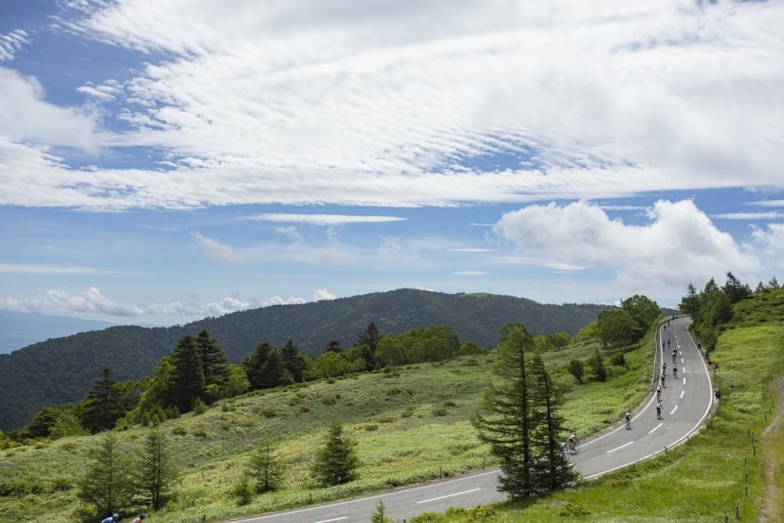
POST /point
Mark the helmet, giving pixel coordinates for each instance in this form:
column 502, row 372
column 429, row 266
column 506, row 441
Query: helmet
column 115, row 516
column 143, row 516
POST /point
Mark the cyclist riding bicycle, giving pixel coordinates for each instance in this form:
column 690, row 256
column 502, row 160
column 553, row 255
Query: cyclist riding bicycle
column 675, row 371
column 574, row 443
column 668, row 344
column 662, row 380
column 628, row 420
column 114, row 518
column 563, row 449
column 674, row 354
column 658, row 410
column 658, row 391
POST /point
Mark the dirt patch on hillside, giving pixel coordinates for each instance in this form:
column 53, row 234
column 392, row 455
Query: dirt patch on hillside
column 770, row 512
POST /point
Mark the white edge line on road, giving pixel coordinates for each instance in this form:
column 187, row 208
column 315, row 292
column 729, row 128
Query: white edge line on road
column 448, row 496
column 619, row 448
column 334, row 519
column 673, row 410
column 656, row 427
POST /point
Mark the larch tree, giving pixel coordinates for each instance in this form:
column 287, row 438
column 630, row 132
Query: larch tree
column 265, row 466
column 186, row 381
column 106, row 484
column 505, row 417
column 213, row 360
column 156, row 474
column 103, row 404
column 337, row 461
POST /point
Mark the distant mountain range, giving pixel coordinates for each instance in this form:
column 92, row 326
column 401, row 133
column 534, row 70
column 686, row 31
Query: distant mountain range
column 63, row 369
column 19, row 329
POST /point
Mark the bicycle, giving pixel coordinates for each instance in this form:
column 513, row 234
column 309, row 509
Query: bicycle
column 574, row 446
column 628, row 422
column 674, row 371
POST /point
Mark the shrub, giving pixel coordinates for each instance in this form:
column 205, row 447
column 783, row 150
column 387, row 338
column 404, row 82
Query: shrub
column 242, row 490
column 329, row 400
column 85, row 514
column 304, row 409
column 267, row 412
column 179, row 431
column 62, row 484
column 394, row 391
column 69, row 446
column 427, row 517
column 199, row 407
column 617, row 359
column 200, row 433
column 440, row 411
column 387, row 419
column 371, row 427
column 407, row 413
column 573, row 509
column 450, row 403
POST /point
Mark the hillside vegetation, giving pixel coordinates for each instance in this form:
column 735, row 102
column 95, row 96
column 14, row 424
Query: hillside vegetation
column 411, row 424
column 62, row 370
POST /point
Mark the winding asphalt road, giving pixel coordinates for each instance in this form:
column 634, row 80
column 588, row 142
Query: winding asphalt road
column 686, row 400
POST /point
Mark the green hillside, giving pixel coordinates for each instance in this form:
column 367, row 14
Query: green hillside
column 411, row 425
column 62, row 370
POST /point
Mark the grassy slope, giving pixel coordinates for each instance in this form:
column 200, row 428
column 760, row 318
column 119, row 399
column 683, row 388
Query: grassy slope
column 410, row 428
column 703, row 480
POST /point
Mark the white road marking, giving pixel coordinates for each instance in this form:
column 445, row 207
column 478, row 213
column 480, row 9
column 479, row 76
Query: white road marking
column 619, row 448
column 684, row 381
column 673, row 410
column 656, row 427
column 334, row 519
column 682, row 393
column 448, row 496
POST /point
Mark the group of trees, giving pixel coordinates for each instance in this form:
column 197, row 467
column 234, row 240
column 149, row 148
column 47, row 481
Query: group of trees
column 520, row 419
column 712, row 306
column 623, row 326
column 118, row 480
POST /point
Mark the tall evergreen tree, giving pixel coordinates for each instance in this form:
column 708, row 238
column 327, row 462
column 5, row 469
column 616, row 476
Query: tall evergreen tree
column 598, row 370
column 103, row 405
column 155, row 472
column 508, row 424
column 337, row 461
column 186, row 381
column 106, row 484
column 265, row 466
column 370, row 337
column 734, row 289
column 690, row 303
column 254, row 362
column 334, row 346
column 293, row 361
column 213, row 360
column 273, row 372
column 553, row 468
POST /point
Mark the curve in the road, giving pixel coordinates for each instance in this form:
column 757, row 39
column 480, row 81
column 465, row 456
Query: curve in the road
column 687, row 400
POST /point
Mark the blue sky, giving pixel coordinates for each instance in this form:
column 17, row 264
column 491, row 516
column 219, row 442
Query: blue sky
column 164, row 161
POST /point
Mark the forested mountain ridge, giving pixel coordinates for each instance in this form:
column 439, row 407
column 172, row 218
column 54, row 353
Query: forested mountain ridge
column 63, row 369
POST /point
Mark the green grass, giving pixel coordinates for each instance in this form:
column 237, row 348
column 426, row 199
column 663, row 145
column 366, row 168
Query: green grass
column 411, row 426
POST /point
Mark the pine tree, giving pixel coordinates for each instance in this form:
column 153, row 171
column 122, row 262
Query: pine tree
column 292, row 359
column 553, row 468
column 508, row 425
column 186, row 381
column 273, row 372
column 253, row 363
column 596, row 363
column 103, row 405
column 337, row 461
column 265, row 466
column 370, row 337
column 155, row 472
column 106, row 484
column 213, row 360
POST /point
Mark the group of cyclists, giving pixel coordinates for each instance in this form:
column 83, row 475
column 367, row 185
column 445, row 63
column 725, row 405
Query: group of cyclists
column 571, row 445
column 115, row 518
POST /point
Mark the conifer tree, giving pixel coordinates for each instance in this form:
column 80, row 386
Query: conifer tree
column 103, row 405
column 186, row 381
column 596, row 364
column 370, row 337
column 337, row 461
column 106, row 485
column 293, row 361
column 553, row 468
column 508, row 424
column 213, row 360
column 254, row 362
column 265, row 466
column 155, row 472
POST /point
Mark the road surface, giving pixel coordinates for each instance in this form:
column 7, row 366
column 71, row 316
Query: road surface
column 686, row 403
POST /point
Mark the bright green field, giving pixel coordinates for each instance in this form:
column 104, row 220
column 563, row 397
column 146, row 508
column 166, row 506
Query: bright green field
column 411, row 426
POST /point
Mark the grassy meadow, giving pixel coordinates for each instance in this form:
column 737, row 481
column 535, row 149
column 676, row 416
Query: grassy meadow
column 412, row 425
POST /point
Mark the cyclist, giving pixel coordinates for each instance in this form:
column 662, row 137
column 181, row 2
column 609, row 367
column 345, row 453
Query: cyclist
column 114, row 518
column 563, row 449
column 664, row 367
column 674, row 371
column 141, row 518
column 668, row 344
column 662, row 344
column 628, row 420
column 674, row 354
column 574, row 443
column 658, row 410
column 658, row 391
column 662, row 380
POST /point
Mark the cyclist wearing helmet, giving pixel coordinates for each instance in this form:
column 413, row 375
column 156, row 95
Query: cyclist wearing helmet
column 141, row 518
column 114, row 518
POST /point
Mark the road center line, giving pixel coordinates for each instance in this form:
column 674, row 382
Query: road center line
column 656, row 427
column 448, row 496
column 328, row 520
column 673, row 410
column 619, row 448
column 684, row 381
column 682, row 393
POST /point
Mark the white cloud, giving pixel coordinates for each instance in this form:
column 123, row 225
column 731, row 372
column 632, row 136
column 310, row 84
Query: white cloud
column 322, row 294
column 219, row 308
column 679, row 243
column 393, row 103
column 469, row 273
column 11, row 43
column 769, row 203
column 770, row 242
column 772, row 215
column 323, row 219
column 470, row 249
column 217, row 251
column 289, row 231
column 64, row 303
column 11, row 268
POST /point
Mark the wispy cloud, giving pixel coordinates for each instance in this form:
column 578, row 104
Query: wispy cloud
column 470, row 249
column 217, row 251
column 323, row 294
column 323, row 219
column 768, row 203
column 469, row 273
column 772, row 215
column 11, row 268
column 12, row 43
